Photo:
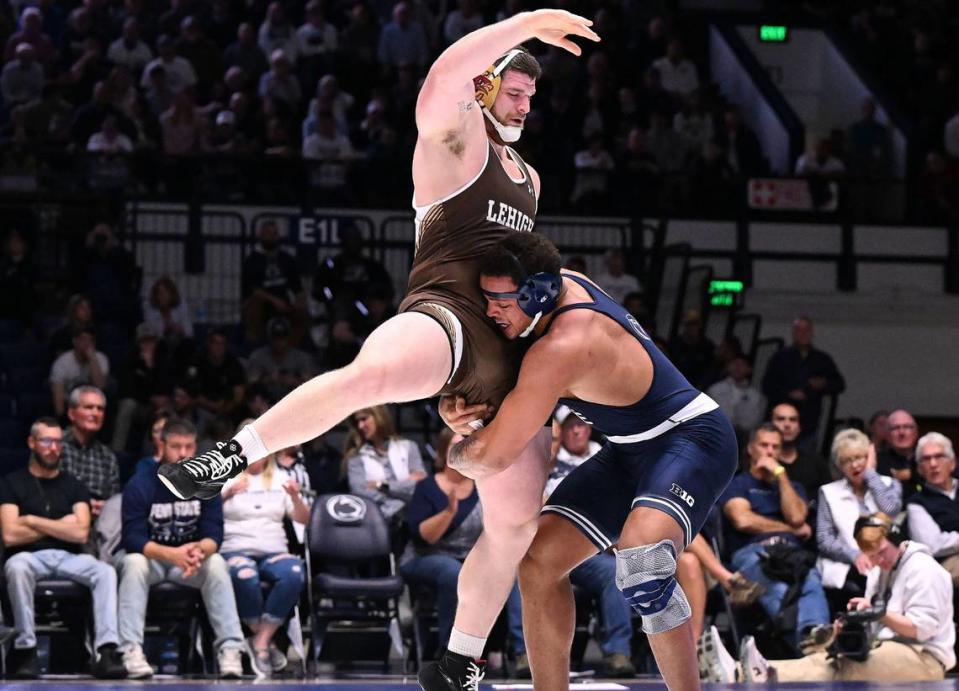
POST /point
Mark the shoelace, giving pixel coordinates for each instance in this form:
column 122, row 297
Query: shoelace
column 210, row 464
column 474, row 675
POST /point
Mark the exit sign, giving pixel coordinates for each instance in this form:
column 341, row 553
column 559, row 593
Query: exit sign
column 725, row 293
column 773, row 33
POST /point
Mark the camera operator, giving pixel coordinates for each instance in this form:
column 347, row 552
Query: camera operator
column 908, row 635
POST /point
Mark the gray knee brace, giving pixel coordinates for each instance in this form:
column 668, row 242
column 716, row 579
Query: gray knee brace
column 647, row 577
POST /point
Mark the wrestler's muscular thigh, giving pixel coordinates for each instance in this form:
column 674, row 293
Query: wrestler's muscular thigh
column 511, row 503
column 405, row 359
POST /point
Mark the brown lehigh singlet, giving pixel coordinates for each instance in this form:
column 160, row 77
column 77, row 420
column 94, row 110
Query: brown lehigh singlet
column 451, row 235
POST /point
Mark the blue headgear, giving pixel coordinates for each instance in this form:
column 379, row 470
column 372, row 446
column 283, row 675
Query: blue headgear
column 536, row 295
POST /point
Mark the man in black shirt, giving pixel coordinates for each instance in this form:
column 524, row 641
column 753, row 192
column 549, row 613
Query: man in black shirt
column 270, row 286
column 807, row 468
column 802, row 375
column 218, row 377
column 898, row 457
column 45, row 518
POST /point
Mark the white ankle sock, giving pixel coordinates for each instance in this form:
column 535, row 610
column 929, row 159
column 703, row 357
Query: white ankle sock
column 253, row 448
column 465, row 644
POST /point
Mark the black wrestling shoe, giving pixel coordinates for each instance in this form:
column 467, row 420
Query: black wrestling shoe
column 204, row 475
column 453, row 672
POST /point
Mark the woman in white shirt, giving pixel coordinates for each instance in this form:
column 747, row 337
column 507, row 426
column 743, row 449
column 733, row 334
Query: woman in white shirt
column 861, row 492
column 379, row 463
column 255, row 547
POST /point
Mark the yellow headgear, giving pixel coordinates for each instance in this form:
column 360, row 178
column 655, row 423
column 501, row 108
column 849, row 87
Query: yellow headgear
column 487, row 84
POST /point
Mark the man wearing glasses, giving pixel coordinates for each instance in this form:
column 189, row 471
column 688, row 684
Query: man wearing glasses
column 45, row 519
column 84, row 456
column 933, row 510
column 898, row 458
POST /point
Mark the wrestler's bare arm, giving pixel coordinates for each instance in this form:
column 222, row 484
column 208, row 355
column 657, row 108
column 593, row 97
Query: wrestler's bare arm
column 451, row 134
column 549, row 370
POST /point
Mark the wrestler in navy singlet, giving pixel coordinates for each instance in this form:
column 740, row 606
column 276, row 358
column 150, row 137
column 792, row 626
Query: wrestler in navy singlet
column 673, row 450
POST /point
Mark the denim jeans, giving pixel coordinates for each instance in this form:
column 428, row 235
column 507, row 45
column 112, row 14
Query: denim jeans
column 24, row 569
column 137, row 573
column 813, row 608
column 440, row 573
column 284, row 572
column 597, row 576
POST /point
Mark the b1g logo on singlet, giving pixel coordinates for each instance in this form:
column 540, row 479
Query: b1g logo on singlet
column 506, row 215
column 682, row 494
column 640, row 331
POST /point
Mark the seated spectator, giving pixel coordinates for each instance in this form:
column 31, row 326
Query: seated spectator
column 168, row 313
column 278, row 366
column 157, row 93
column 403, row 40
column 615, row 280
column 180, row 74
column 185, row 407
column 150, row 462
column 344, row 278
column 898, row 458
column 677, row 72
column 332, row 150
column 22, row 78
column 107, row 273
column 84, row 364
column 45, row 515
column 669, row 148
column 690, row 350
column 916, row 634
column 78, row 315
column 445, row 521
column 277, row 33
column 743, row 404
column 714, row 180
column 933, row 511
column 379, row 464
column 764, row 508
column 593, row 167
column 246, row 53
column 740, row 144
column 255, row 547
column 461, row 21
column 695, row 122
column 109, row 140
column 861, row 492
column 129, row 50
column 803, row 375
column 820, row 163
column 805, row 466
column 218, row 377
column 597, row 575
column 329, row 96
column 938, row 190
column 165, row 539
column 182, row 126
column 202, row 54
column 870, row 145
column 17, row 280
column 270, row 286
column 144, row 387
column 293, row 461
column 878, row 431
column 32, row 33
column 280, row 81
column 84, row 456
column 49, row 117
column 316, row 41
